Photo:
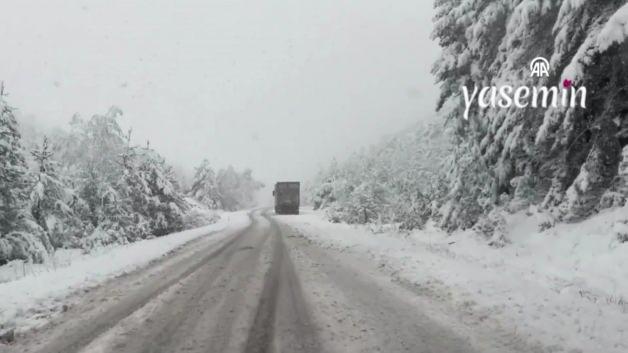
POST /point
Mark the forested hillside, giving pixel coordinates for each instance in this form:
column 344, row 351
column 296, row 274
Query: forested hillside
column 90, row 186
column 567, row 161
column 396, row 181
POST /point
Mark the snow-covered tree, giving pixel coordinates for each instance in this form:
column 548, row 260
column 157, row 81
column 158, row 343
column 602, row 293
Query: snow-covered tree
column 396, row 181
column 236, row 190
column 52, row 202
column 564, row 158
column 19, row 237
column 91, row 152
column 130, row 191
column 228, row 185
column 90, row 186
column 248, row 188
column 154, row 192
column 13, row 171
column 205, row 186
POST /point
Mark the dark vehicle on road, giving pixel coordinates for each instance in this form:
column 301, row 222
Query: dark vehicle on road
column 287, row 197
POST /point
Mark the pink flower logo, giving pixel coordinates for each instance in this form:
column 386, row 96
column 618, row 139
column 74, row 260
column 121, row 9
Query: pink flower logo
column 567, row 83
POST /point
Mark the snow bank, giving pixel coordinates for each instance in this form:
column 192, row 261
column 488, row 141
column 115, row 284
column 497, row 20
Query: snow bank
column 563, row 287
column 43, row 289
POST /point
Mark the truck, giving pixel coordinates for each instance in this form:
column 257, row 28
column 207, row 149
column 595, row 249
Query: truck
column 287, row 197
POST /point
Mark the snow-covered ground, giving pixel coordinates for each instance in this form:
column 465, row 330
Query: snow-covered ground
column 27, row 302
column 565, row 288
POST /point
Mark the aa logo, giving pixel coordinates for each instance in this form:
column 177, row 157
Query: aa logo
column 539, row 67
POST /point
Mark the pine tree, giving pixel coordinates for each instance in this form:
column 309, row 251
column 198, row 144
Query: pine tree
column 13, row 171
column 564, row 158
column 51, row 201
column 19, row 237
column 164, row 205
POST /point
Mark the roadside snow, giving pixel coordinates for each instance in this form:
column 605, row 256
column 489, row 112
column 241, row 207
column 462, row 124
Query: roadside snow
column 565, row 288
column 25, row 303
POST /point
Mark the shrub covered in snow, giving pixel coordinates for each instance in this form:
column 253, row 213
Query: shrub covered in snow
column 199, row 214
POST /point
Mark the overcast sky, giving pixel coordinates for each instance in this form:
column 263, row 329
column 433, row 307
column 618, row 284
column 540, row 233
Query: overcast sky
column 280, row 86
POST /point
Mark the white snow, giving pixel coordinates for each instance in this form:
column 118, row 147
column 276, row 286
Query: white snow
column 615, row 30
column 563, row 287
column 44, row 287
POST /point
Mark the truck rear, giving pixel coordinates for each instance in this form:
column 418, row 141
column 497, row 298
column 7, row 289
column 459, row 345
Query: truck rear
column 287, row 197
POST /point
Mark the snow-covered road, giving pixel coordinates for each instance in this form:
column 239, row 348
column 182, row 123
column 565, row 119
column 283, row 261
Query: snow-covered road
column 301, row 284
column 263, row 288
